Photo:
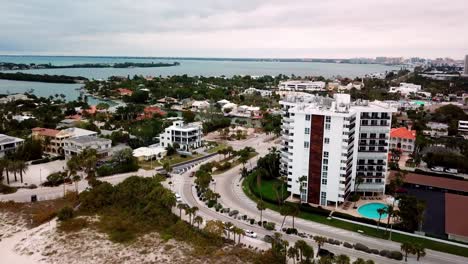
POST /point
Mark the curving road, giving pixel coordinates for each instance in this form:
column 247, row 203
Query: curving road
column 228, row 185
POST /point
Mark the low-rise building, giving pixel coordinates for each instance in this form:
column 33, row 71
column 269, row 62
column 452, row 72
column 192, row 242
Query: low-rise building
column 402, row 139
column 200, row 105
column 406, row 88
column 463, row 126
column 150, row 153
column 13, row 97
column 52, row 139
column 436, row 130
column 187, row 136
column 74, row 146
column 124, row 92
column 263, row 93
column 299, row 85
column 9, row 144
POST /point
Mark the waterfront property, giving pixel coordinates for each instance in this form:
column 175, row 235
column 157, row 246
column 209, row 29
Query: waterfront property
column 9, row 144
column 74, row 146
column 329, row 142
column 406, row 88
column 187, row 136
column 149, row 153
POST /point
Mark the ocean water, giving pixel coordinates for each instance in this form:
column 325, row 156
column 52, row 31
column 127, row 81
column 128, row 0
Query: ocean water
column 191, row 67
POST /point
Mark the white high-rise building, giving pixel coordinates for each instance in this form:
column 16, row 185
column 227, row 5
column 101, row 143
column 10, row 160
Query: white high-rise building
column 328, row 142
column 466, row 66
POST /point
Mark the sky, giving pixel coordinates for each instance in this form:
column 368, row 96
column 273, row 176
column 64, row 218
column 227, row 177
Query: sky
column 236, row 28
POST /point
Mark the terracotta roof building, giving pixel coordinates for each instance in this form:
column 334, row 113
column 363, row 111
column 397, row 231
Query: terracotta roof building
column 456, row 217
column 124, row 92
column 150, row 111
column 403, row 139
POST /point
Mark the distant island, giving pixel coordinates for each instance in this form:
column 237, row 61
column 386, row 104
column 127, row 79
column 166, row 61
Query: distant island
column 19, row 76
column 5, row 66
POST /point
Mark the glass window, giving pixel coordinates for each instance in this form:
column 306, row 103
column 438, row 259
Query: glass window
column 327, row 126
column 306, row 144
column 307, row 130
column 328, row 119
column 325, row 154
column 327, row 141
column 324, row 181
column 307, row 117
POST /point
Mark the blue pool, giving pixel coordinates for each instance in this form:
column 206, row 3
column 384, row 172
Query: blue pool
column 370, row 210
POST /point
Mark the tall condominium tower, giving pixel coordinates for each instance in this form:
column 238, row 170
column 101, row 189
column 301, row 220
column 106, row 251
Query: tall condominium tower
column 329, row 142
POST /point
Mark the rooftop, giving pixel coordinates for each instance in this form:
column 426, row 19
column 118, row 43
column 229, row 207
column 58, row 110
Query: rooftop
column 89, row 139
column 403, row 132
column 48, row 132
column 456, row 215
column 438, row 182
column 5, row 139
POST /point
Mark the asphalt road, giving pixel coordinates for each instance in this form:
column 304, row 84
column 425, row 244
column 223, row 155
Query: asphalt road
column 228, row 185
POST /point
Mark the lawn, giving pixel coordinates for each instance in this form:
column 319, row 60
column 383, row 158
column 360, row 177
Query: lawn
column 372, row 232
column 218, row 146
column 269, row 189
column 234, row 163
column 174, row 159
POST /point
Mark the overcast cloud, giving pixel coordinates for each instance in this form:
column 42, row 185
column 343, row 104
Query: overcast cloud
column 236, row 28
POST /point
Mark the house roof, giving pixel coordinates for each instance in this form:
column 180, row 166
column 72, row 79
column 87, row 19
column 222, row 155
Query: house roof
column 154, row 110
column 438, row 182
column 403, row 132
column 46, row 131
column 124, row 91
column 456, row 215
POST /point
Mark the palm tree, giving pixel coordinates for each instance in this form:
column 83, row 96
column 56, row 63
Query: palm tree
column 12, row 167
column 76, row 178
column 22, row 167
column 4, row 168
column 261, row 206
column 300, row 245
column 295, row 211
column 380, row 211
column 407, row 248
column 359, row 261
column 228, row 227
column 389, row 211
column 198, row 220
column 191, row 212
column 419, row 251
column 181, row 207
column 293, row 252
column 239, row 232
column 320, row 242
column 342, row 259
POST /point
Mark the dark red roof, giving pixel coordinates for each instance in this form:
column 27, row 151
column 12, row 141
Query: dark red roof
column 438, row 182
column 456, row 215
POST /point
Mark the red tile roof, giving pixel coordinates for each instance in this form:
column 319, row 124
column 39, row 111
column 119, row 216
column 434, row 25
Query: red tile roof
column 45, row 131
column 456, row 215
column 438, row 182
column 124, row 91
column 403, row 132
column 154, row 110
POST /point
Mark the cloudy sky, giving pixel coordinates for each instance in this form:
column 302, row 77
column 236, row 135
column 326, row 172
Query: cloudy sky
column 236, row 28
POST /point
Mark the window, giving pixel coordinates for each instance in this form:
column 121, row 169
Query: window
column 306, row 144
column 307, row 130
column 378, row 180
column 373, row 135
column 325, row 168
column 327, row 119
column 363, row 135
column 325, row 154
column 324, row 175
column 369, row 180
column 324, row 181
column 307, row 117
column 323, row 198
column 327, row 141
column 327, row 126
column 325, row 161
column 365, row 122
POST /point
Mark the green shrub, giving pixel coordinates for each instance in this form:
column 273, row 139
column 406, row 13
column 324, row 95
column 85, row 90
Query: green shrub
column 211, row 203
column 73, row 225
column 65, row 213
column 5, row 189
column 347, row 245
column 397, row 255
column 384, row 253
column 361, row 247
column 269, row 226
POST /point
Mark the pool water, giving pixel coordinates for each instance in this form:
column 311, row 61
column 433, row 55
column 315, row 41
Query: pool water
column 370, row 210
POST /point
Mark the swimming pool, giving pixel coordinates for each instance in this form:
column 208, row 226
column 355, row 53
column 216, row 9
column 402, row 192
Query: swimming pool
column 370, row 210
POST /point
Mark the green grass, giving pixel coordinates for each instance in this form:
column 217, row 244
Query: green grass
column 368, row 231
column 174, row 159
column 219, row 146
column 267, row 189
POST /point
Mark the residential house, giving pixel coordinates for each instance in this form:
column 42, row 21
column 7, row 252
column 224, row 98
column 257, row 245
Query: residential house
column 406, row 88
column 200, row 105
column 436, row 130
column 124, row 92
column 74, row 146
column 9, row 144
column 187, row 136
column 150, row 111
column 150, row 153
column 302, row 85
column 261, row 92
column 53, row 139
column 403, row 139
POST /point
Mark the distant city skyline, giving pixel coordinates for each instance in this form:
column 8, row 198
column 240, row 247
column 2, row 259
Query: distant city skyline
column 334, row 29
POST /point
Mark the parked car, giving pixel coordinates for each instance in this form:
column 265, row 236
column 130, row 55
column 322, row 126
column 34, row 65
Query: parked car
column 438, row 169
column 454, row 171
column 178, row 200
column 325, row 253
column 250, row 233
column 233, row 212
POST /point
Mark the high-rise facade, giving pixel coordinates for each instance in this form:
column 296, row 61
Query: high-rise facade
column 466, row 66
column 329, row 142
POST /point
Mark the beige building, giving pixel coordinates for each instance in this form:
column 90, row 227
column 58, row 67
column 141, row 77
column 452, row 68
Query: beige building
column 53, row 139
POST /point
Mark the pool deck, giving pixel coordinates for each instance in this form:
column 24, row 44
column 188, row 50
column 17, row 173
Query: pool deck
column 354, row 212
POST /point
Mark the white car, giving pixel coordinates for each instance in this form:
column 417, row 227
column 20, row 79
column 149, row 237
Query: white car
column 438, row 169
column 178, row 199
column 250, row 234
column 454, row 171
